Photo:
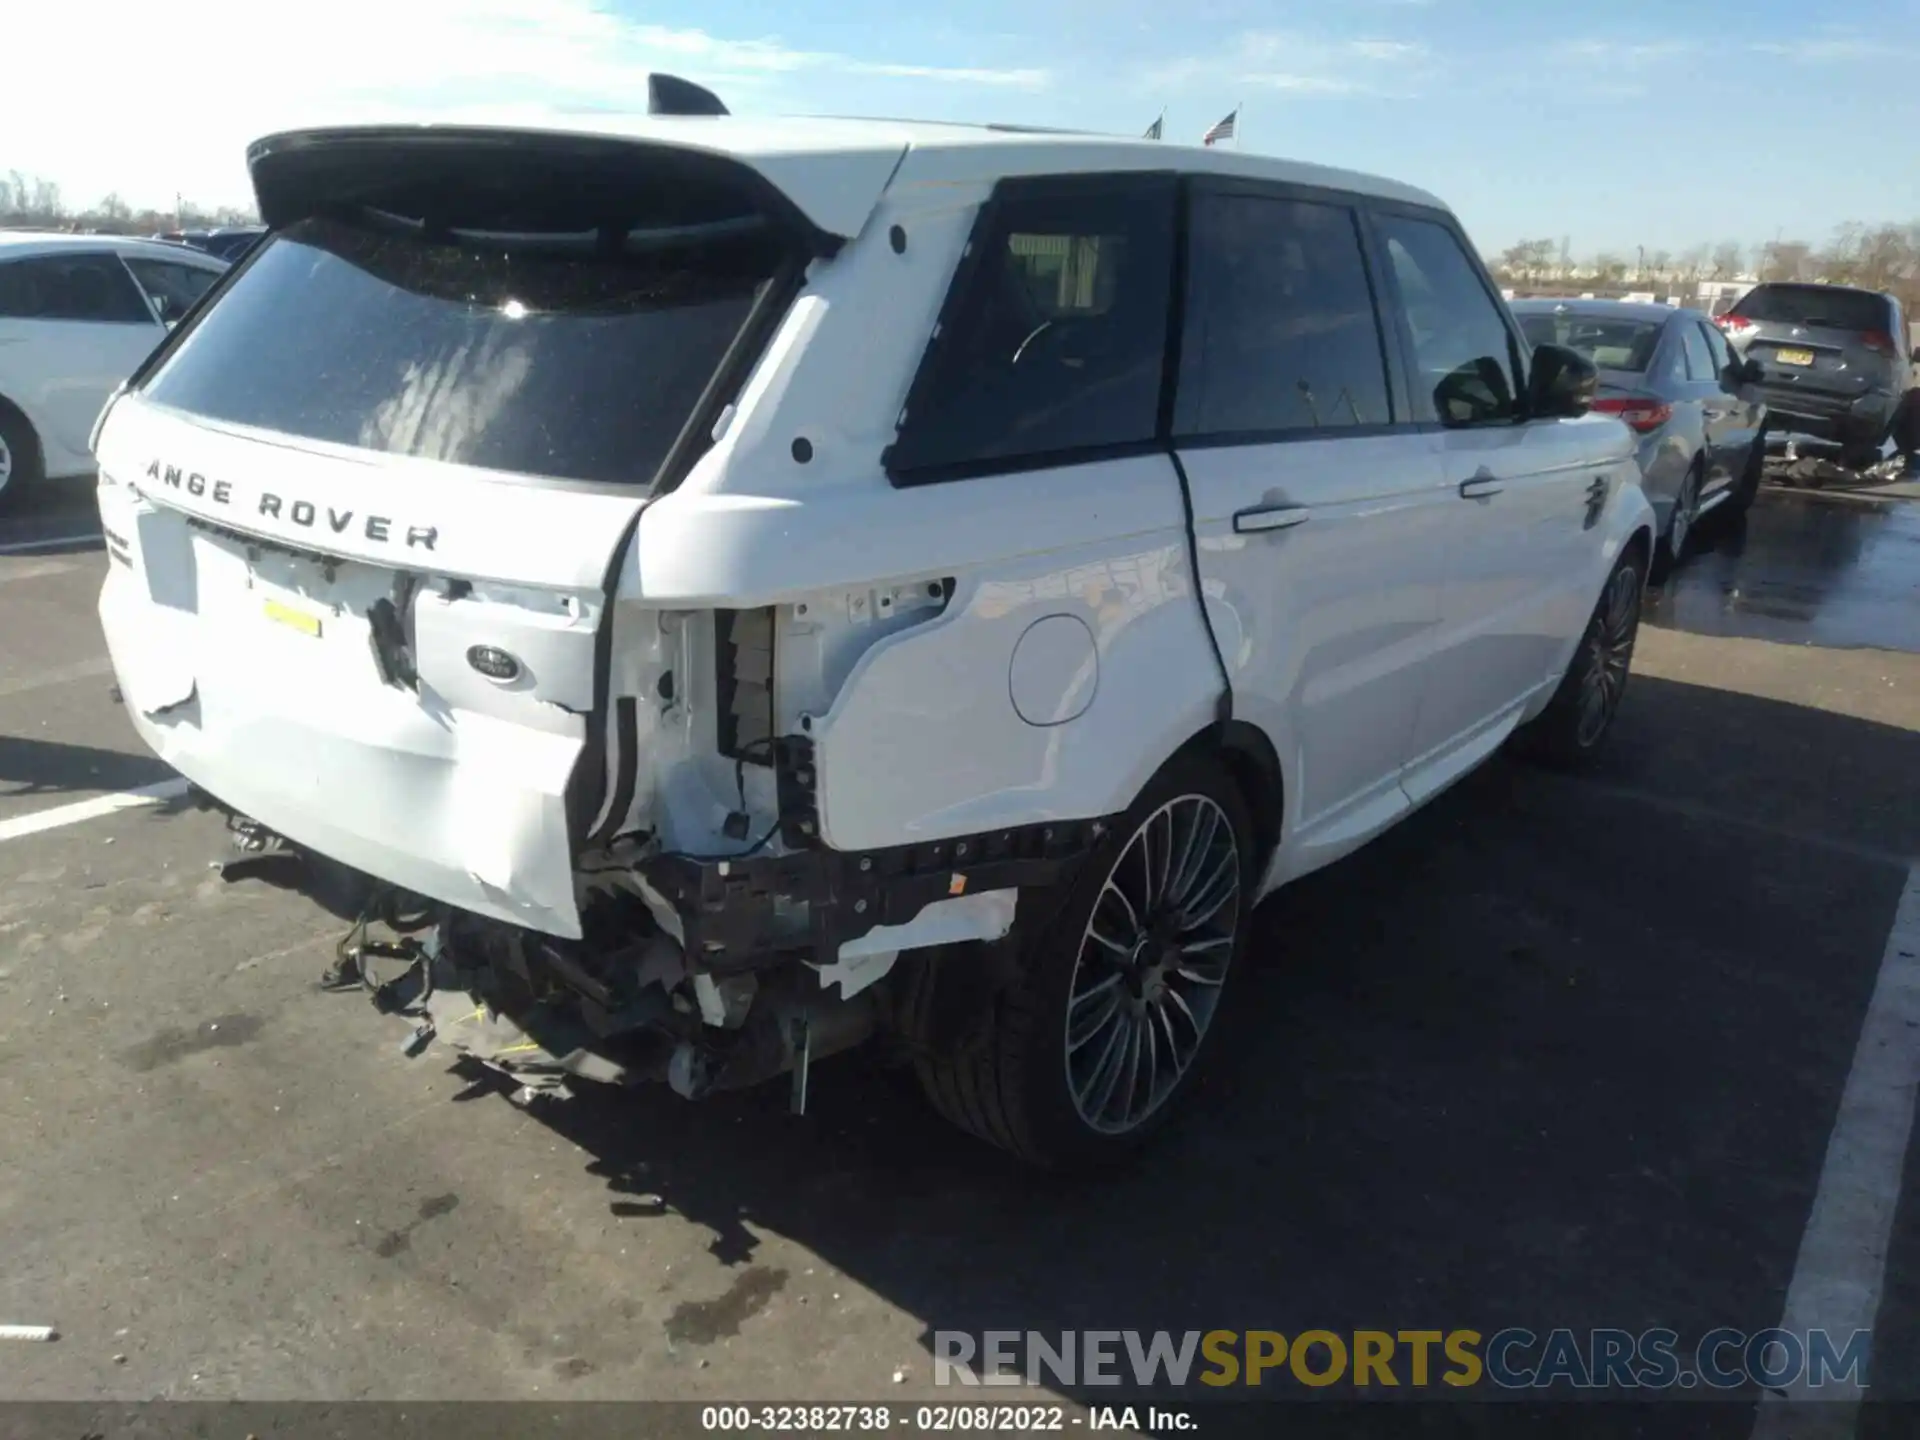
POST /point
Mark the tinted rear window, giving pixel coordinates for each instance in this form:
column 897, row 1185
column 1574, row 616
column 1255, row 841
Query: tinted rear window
column 1826, row 306
column 1053, row 340
column 571, row 357
column 1611, row 344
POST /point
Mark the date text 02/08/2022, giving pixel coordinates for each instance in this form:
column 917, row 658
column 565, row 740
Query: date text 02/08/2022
column 933, row 1419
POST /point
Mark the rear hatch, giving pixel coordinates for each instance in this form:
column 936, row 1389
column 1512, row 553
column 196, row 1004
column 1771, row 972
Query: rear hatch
column 1826, row 340
column 363, row 507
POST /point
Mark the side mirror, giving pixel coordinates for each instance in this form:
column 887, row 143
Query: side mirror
column 1561, row 384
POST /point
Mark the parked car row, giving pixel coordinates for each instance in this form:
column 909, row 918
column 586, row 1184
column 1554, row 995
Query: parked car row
column 1694, row 404
column 78, row 313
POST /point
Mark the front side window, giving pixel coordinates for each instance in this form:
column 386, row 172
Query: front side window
column 1054, row 338
column 1717, row 344
column 576, row 357
column 1281, row 332
column 1469, row 371
column 1700, row 366
column 89, row 288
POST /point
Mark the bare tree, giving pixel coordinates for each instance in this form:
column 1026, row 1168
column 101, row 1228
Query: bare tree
column 1529, row 260
column 1609, row 269
column 29, row 202
column 1786, row 260
column 1693, row 263
column 1660, row 264
column 1728, row 257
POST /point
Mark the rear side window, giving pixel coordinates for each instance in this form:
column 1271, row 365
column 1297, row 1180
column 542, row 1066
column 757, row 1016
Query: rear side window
column 1469, row 368
column 573, row 357
column 1053, row 340
column 173, row 288
column 89, row 288
column 1830, row 307
column 1281, row 332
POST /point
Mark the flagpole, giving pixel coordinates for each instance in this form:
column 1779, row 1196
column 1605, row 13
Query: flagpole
column 1238, row 121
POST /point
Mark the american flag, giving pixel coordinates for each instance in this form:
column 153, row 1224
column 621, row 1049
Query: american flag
column 1221, row 131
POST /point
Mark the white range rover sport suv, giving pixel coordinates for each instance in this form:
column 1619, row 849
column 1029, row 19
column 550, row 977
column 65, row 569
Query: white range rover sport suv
column 696, row 593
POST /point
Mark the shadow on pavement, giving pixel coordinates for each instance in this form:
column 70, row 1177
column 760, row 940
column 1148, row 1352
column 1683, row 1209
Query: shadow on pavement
column 1544, row 1056
column 52, row 767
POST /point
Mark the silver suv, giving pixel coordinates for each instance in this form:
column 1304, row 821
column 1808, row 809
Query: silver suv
column 1835, row 358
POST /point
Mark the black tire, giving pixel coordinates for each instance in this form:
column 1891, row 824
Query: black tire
column 26, row 467
column 1740, row 499
column 1010, row 1080
column 1862, row 452
column 1668, row 554
column 1563, row 734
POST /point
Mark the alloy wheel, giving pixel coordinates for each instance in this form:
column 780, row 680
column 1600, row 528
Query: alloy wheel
column 1152, row 960
column 6, row 462
column 1609, row 653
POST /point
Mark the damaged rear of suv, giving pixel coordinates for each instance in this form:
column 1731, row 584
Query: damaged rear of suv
column 696, row 594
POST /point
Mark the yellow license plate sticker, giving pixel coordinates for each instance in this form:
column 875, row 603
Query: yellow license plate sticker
column 295, row 619
column 1794, row 357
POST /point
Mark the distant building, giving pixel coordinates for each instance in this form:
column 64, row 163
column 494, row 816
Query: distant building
column 1716, row 297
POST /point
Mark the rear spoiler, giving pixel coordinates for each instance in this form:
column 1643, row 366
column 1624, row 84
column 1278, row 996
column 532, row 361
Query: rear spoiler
column 822, row 194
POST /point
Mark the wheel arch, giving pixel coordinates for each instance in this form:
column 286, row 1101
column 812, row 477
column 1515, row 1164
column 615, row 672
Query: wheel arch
column 1639, row 542
column 12, row 408
column 1251, row 760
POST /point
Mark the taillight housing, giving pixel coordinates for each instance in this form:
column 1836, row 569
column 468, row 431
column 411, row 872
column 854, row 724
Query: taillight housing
column 1737, row 326
column 1644, row 413
column 1878, row 341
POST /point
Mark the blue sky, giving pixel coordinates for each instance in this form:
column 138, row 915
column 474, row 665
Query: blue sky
column 1633, row 123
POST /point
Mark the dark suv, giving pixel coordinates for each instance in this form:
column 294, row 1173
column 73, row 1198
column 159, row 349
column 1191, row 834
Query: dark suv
column 1835, row 358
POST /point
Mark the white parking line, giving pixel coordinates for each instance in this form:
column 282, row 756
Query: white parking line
column 51, row 542
column 1843, row 1253
column 20, row 826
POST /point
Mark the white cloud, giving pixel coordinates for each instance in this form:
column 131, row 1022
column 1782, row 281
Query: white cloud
column 148, row 120
column 1298, row 63
column 1623, row 53
column 1831, row 49
column 1311, row 65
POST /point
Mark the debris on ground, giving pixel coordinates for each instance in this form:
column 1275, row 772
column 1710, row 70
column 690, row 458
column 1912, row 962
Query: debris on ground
column 28, row 1332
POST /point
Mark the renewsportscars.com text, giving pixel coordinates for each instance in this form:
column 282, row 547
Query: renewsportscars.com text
column 1514, row 1358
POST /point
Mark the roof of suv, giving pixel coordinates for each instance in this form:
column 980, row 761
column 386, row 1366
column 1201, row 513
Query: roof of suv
column 835, row 170
column 1651, row 310
column 15, row 243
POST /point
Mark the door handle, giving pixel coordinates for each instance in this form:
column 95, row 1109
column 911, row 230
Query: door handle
column 1269, row 517
column 1481, row 487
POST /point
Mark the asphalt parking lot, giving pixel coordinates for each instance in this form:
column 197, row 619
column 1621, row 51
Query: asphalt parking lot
column 1558, row 1052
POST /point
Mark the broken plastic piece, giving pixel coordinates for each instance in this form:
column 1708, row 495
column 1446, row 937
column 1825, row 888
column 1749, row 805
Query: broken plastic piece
column 800, row 1035
column 28, row 1332
column 418, row 1041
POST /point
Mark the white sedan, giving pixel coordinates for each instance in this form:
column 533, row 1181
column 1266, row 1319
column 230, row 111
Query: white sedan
column 78, row 313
